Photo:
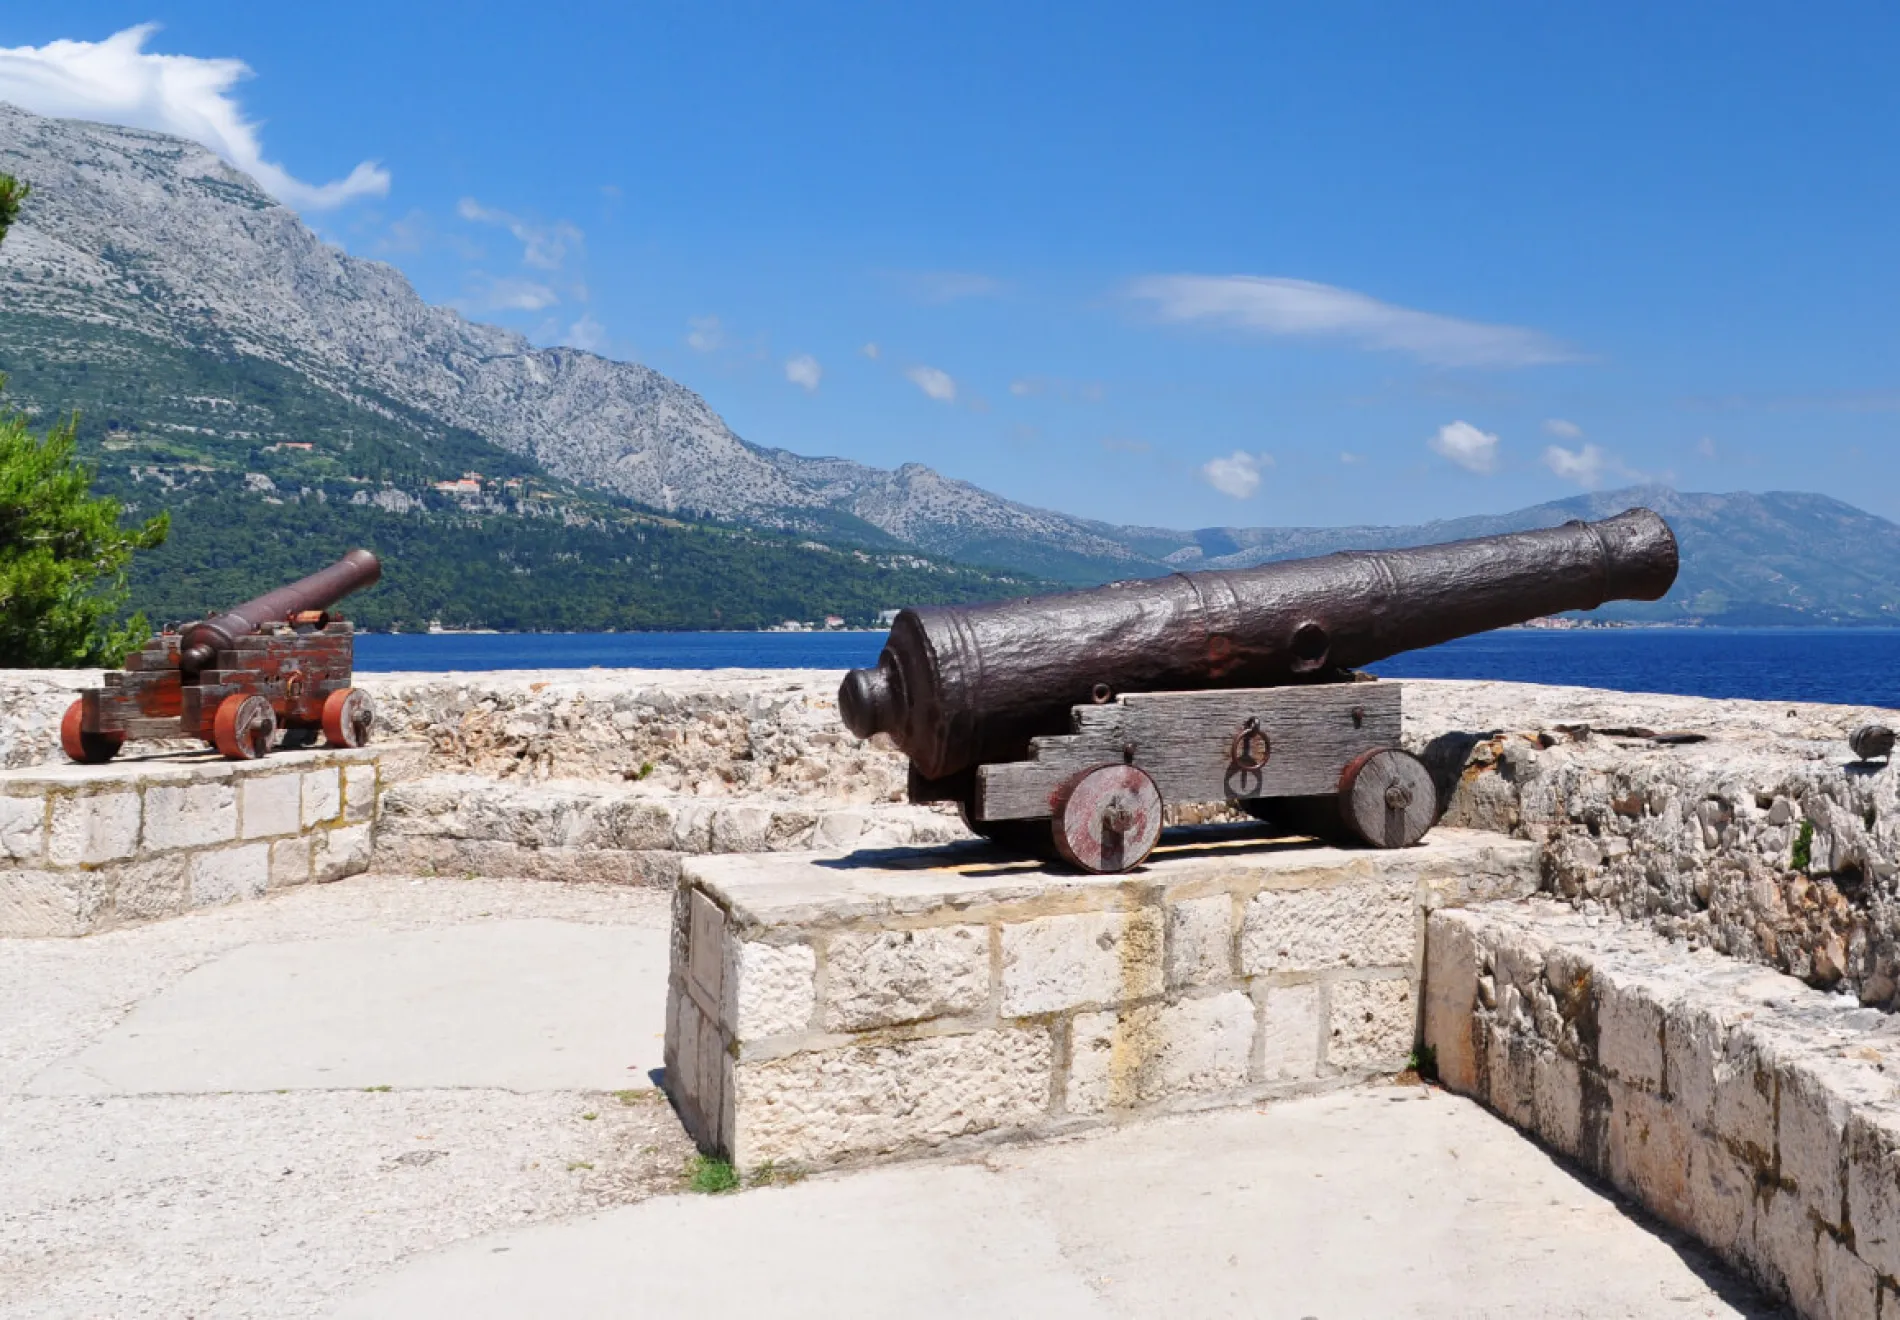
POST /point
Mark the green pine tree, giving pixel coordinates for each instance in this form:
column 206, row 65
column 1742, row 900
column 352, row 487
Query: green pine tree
column 63, row 554
column 12, row 195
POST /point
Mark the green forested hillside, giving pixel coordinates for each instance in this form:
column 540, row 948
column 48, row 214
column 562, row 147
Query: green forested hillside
column 506, row 572
column 218, row 439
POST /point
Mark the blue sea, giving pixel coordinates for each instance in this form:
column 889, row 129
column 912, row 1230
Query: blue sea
column 1852, row 666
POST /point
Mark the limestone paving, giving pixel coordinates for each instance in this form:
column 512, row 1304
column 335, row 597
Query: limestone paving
column 826, row 1008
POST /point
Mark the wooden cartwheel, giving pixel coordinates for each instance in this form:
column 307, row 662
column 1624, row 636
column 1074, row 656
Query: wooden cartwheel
column 1107, row 819
column 348, row 715
column 244, row 727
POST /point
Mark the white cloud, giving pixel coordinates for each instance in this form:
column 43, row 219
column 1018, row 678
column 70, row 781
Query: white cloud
column 945, row 286
column 1025, row 387
column 1237, row 475
column 1351, row 459
column 545, row 247
column 1563, row 430
column 937, row 384
column 117, row 81
column 804, row 371
column 870, row 351
column 586, row 334
column 509, row 295
column 1467, row 446
column 1705, row 448
column 1584, row 466
column 1275, row 306
column 705, row 334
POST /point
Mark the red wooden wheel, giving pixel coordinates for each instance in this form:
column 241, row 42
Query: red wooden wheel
column 1107, row 819
column 86, row 748
column 347, row 716
column 243, row 727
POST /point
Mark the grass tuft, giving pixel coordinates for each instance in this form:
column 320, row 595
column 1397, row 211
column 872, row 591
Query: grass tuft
column 770, row 1174
column 1804, row 846
column 711, row 1175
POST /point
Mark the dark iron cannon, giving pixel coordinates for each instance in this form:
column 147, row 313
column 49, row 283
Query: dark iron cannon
column 281, row 661
column 1091, row 707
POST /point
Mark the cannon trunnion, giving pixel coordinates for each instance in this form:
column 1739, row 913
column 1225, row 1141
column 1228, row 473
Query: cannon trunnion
column 280, row 662
column 1070, row 721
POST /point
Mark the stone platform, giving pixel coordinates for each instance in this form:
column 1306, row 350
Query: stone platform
column 825, row 1009
column 85, row 848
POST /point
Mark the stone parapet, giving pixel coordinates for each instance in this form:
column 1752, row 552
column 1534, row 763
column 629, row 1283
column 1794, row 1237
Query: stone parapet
column 1738, row 1104
column 1762, row 838
column 618, row 833
column 718, row 732
column 85, row 848
column 828, row 1008
column 688, row 731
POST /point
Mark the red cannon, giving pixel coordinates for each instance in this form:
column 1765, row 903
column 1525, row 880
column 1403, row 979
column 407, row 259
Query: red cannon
column 282, row 661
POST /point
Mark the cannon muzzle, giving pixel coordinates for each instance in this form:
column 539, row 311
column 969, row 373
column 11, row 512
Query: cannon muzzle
column 957, row 686
column 202, row 641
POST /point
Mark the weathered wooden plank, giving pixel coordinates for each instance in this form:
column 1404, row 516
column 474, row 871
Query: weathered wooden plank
column 1185, row 741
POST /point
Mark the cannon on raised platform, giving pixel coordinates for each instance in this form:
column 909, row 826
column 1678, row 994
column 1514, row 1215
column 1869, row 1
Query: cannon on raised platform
column 1091, row 709
column 282, row 661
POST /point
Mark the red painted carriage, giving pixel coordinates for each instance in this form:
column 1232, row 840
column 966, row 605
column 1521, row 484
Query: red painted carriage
column 282, row 661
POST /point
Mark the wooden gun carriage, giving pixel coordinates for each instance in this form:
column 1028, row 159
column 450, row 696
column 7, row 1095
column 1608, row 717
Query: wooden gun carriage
column 1067, row 723
column 282, row 661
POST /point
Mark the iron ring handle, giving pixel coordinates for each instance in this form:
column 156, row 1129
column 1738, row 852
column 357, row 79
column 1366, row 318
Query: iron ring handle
column 1241, row 752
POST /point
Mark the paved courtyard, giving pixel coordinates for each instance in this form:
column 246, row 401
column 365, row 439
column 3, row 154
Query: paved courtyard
column 407, row 1097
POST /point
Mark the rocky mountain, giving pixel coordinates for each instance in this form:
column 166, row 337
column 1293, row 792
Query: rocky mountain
column 1776, row 558
column 213, row 340
column 152, row 235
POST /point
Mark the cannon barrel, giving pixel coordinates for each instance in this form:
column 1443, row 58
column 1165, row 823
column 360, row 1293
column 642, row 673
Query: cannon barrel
column 202, row 641
column 960, row 685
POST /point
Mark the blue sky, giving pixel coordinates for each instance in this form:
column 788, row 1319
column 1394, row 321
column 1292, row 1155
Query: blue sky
column 1184, row 265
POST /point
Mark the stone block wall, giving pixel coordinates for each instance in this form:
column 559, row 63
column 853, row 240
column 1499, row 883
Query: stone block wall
column 86, row 848
column 617, row 833
column 1749, row 1110
column 833, row 1009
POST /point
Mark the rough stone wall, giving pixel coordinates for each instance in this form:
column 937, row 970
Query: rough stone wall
column 32, row 702
column 704, row 733
column 1702, row 840
column 697, row 732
